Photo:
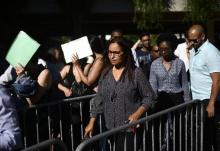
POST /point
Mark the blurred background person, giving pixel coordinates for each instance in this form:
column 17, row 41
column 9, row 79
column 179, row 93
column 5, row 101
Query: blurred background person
column 154, row 54
column 116, row 33
column 142, row 49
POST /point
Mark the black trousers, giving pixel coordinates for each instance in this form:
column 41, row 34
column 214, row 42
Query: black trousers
column 217, row 128
column 164, row 101
column 211, row 129
column 119, row 140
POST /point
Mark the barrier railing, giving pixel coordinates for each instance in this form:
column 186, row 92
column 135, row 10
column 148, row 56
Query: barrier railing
column 159, row 131
column 64, row 120
column 177, row 128
column 46, row 144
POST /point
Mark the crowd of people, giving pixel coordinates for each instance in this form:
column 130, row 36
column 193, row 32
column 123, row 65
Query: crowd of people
column 128, row 82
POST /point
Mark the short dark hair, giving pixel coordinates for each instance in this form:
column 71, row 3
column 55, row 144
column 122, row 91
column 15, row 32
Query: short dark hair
column 144, row 34
column 168, row 37
column 96, row 44
column 117, row 30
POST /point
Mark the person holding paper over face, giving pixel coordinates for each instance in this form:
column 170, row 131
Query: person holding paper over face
column 94, row 66
column 68, row 76
column 80, row 76
column 69, row 82
column 39, row 73
column 23, row 58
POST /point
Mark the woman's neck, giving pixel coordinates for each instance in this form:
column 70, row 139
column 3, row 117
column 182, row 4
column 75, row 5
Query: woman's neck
column 118, row 67
column 117, row 72
column 169, row 58
column 166, row 61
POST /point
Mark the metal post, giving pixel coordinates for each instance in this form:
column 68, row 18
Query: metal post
column 37, row 125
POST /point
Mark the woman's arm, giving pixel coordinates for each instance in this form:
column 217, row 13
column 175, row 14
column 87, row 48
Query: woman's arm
column 76, row 74
column 90, row 127
column 184, row 82
column 60, row 86
column 44, row 81
column 87, row 68
column 94, row 73
column 134, row 47
column 146, row 93
column 96, row 108
column 8, row 76
column 153, row 79
column 137, row 114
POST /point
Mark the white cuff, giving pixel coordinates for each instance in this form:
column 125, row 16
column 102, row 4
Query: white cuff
column 90, row 59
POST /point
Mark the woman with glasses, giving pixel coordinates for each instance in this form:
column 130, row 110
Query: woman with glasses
column 168, row 76
column 124, row 94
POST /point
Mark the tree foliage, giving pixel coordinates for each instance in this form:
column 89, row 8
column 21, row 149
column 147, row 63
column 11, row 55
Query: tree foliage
column 148, row 13
column 200, row 10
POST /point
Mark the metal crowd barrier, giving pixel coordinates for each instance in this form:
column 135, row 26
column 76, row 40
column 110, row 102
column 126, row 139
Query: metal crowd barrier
column 63, row 120
column 179, row 128
column 47, row 143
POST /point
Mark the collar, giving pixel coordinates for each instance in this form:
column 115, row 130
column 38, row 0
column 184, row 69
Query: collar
column 202, row 47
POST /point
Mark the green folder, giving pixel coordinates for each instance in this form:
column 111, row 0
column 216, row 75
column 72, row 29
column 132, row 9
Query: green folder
column 22, row 49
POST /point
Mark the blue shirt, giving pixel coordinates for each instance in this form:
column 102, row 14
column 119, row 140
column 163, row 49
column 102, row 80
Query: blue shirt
column 10, row 135
column 143, row 57
column 203, row 62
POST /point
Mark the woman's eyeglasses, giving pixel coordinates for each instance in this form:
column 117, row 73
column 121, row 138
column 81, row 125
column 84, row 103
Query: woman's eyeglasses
column 116, row 54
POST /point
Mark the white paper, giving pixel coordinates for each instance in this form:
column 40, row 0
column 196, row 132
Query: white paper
column 80, row 46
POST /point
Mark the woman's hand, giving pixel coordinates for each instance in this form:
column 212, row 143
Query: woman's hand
column 68, row 92
column 89, row 128
column 75, row 59
column 137, row 114
column 19, row 69
column 134, row 117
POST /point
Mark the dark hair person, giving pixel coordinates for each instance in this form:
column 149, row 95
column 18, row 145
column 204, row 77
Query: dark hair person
column 93, row 69
column 168, row 74
column 124, row 94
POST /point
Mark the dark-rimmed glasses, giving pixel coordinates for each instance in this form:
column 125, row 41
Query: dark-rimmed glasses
column 116, row 54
